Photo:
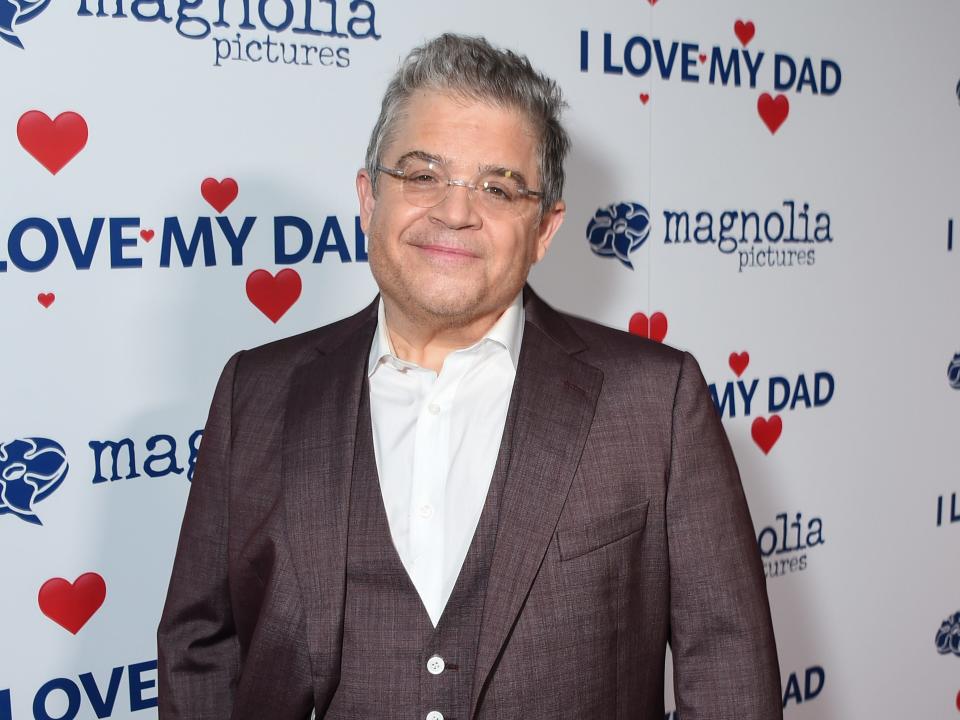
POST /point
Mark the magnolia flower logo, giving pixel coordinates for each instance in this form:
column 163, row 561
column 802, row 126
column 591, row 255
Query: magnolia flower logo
column 618, row 230
column 953, row 372
column 948, row 636
column 30, row 469
column 15, row 12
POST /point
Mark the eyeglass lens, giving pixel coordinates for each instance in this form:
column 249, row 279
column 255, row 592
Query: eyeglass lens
column 426, row 184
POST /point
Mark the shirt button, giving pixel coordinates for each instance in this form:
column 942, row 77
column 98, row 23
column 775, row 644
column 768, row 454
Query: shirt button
column 425, row 511
column 433, row 408
column 434, row 715
column 435, row 665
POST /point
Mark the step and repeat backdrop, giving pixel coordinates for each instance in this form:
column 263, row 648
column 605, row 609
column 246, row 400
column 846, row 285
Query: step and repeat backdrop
column 770, row 185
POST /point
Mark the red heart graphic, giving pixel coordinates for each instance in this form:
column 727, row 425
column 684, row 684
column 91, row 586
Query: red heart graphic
column 652, row 2
column 703, row 58
column 654, row 328
column 766, row 432
column 739, row 362
column 219, row 193
column 147, row 235
column 70, row 606
column 273, row 296
column 46, row 299
column 644, row 98
column 53, row 143
column 744, row 31
column 773, row 111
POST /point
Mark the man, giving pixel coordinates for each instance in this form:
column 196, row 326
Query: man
column 460, row 503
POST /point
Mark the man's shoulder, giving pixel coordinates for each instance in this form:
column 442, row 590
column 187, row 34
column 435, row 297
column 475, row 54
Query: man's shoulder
column 612, row 349
column 276, row 360
column 637, row 369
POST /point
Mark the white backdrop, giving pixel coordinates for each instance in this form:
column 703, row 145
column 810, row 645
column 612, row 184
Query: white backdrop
column 119, row 325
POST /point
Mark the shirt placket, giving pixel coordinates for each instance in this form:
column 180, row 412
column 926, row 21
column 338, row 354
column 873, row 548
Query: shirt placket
column 431, row 465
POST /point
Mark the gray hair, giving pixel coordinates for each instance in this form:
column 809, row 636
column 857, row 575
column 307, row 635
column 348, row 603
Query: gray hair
column 473, row 68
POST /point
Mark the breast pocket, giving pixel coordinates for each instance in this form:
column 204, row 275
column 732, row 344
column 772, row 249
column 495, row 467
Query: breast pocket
column 576, row 541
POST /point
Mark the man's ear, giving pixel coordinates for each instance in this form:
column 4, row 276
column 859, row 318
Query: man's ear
column 367, row 200
column 550, row 222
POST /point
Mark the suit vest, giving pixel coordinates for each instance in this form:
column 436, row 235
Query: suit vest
column 394, row 663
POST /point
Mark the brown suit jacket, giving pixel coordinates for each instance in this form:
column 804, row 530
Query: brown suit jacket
column 623, row 527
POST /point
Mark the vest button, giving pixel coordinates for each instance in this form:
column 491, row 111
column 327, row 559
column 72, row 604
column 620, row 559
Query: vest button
column 435, row 666
column 434, row 715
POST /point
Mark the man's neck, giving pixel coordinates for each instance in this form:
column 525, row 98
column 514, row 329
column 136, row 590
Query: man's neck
column 428, row 344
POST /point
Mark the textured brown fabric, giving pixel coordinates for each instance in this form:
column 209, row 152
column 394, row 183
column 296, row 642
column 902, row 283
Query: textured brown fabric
column 387, row 634
column 622, row 527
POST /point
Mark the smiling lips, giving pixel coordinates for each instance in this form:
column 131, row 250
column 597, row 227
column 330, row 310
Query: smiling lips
column 446, row 251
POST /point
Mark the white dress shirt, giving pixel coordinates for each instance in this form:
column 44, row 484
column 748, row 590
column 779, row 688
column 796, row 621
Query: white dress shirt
column 436, row 438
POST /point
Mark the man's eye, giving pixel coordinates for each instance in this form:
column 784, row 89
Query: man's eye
column 498, row 192
column 422, row 178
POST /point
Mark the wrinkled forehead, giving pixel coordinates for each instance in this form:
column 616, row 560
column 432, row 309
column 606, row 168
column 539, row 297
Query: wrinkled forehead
column 466, row 134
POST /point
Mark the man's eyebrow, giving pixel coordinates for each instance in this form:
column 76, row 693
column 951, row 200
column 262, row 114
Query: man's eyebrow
column 481, row 169
column 504, row 171
column 420, row 155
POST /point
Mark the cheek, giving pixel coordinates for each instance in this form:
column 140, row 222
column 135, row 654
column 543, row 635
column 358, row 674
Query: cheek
column 390, row 221
column 516, row 250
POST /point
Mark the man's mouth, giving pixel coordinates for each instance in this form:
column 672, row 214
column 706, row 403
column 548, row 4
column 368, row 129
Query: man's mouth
column 445, row 250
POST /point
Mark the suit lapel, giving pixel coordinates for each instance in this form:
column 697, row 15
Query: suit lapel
column 551, row 411
column 319, row 437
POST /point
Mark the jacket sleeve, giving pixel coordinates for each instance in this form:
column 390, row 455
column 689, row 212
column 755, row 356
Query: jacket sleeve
column 721, row 635
column 198, row 650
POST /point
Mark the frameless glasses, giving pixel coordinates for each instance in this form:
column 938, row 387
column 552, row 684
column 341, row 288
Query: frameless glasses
column 425, row 183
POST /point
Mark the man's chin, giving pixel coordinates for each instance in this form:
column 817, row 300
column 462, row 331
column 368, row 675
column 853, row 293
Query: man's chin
column 452, row 308
column 449, row 305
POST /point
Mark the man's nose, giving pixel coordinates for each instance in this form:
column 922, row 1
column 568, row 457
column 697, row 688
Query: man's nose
column 458, row 209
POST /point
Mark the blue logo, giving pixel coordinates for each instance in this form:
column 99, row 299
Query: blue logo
column 948, row 636
column 618, row 230
column 953, row 372
column 15, row 12
column 317, row 30
column 30, row 469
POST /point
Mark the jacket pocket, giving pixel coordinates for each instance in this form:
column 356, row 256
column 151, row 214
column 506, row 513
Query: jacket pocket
column 577, row 541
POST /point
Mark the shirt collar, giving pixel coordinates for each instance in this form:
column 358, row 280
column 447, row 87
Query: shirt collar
column 507, row 331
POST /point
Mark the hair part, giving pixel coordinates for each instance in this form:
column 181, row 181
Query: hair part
column 472, row 68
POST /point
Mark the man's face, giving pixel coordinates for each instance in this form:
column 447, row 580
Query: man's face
column 455, row 263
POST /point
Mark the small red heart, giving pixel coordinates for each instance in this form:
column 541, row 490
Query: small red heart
column 72, row 605
column 147, row 235
column 766, row 432
column 703, row 58
column 46, row 299
column 739, row 362
column 274, row 295
column 652, row 2
column 219, row 193
column 773, row 111
column 744, row 31
column 654, row 327
column 53, row 143
column 644, row 98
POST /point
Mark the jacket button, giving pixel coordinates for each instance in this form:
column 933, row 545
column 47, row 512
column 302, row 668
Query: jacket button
column 434, row 715
column 435, row 666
